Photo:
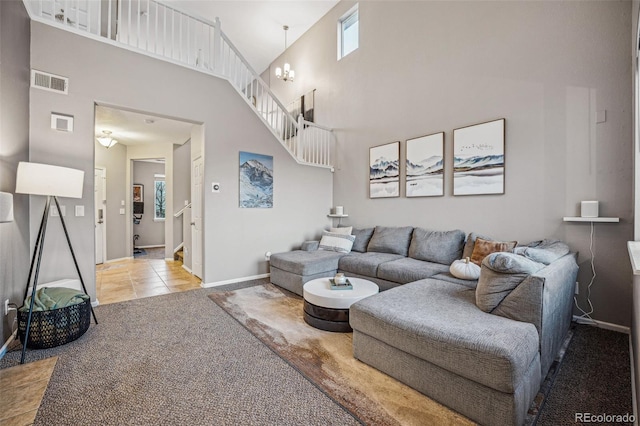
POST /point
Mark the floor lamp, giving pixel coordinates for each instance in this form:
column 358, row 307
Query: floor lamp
column 52, row 182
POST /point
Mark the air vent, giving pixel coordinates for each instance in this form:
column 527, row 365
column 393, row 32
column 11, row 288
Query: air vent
column 51, row 82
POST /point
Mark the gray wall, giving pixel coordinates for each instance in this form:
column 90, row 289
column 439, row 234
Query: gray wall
column 151, row 232
column 14, row 147
column 181, row 186
column 114, row 161
column 635, row 321
column 547, row 67
column 235, row 240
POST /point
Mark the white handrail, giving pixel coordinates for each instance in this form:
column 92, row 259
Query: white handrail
column 164, row 31
column 181, row 211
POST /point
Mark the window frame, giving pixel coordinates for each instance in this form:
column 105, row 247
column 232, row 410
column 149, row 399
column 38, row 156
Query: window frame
column 156, row 180
column 341, row 22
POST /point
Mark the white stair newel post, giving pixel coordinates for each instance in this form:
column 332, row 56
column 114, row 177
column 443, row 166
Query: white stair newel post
column 300, row 138
column 217, row 46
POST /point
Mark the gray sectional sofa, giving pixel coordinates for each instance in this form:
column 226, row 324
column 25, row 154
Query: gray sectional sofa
column 481, row 347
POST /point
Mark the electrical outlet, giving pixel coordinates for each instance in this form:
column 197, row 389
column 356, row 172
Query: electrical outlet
column 6, row 307
column 577, row 287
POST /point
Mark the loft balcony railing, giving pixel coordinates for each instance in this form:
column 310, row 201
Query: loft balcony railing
column 163, row 31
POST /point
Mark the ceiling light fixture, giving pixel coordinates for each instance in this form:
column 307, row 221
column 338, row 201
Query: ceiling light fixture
column 288, row 74
column 106, row 140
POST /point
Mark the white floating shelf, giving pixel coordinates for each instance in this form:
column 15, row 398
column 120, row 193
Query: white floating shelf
column 591, row 219
column 338, row 215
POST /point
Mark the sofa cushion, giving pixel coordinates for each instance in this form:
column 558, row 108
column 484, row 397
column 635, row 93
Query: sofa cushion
column 436, row 246
column 342, row 230
column 482, row 248
column 394, row 240
column 544, row 251
column 306, row 263
column 439, row 322
column 365, row 264
column 362, row 239
column 501, row 274
column 336, row 242
column 406, row 270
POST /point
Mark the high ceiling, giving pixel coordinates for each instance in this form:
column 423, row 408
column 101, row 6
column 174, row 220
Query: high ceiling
column 255, row 26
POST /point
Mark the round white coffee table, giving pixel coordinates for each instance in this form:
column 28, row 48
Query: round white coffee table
column 328, row 309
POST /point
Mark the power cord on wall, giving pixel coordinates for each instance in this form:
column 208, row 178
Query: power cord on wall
column 585, row 318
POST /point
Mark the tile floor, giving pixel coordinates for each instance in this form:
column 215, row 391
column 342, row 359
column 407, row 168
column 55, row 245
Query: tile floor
column 23, row 386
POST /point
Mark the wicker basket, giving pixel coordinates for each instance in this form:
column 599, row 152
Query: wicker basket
column 55, row 327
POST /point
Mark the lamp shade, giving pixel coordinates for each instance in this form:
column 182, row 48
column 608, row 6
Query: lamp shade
column 6, row 207
column 45, row 179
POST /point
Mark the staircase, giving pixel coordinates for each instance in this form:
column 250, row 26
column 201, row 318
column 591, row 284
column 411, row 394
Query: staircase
column 162, row 31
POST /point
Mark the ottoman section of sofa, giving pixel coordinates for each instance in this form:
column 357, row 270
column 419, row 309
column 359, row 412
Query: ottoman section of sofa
column 438, row 322
column 290, row 270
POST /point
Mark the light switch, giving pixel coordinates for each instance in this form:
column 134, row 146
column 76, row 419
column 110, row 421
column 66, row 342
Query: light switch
column 122, row 203
column 79, row 210
column 121, row 211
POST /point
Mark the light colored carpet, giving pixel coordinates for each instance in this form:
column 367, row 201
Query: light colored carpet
column 176, row 359
column 326, row 358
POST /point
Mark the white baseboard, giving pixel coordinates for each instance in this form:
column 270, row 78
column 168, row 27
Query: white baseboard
column 602, row 324
column 3, row 350
column 187, row 269
column 119, row 259
column 235, row 280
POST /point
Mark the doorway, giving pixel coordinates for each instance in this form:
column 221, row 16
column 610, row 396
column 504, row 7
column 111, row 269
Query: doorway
column 143, row 141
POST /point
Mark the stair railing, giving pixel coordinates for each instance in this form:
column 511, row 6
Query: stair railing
column 165, row 32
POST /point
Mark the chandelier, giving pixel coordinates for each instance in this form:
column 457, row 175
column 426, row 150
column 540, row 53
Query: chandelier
column 106, row 140
column 288, row 74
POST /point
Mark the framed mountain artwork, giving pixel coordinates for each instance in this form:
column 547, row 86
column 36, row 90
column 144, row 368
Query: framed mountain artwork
column 478, row 159
column 384, row 171
column 256, row 180
column 425, row 166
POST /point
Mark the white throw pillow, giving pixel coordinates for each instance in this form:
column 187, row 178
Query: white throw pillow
column 346, row 230
column 336, row 242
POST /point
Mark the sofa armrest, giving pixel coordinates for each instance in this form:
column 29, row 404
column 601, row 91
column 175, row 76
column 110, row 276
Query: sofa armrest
column 310, row 246
column 545, row 299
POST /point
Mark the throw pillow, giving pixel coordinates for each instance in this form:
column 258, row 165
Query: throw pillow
column 482, row 248
column 436, row 246
column 501, row 274
column 394, row 240
column 470, row 242
column 336, row 242
column 346, row 230
column 545, row 251
column 362, row 239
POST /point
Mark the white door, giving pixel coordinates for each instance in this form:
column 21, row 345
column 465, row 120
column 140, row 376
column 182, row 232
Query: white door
column 99, row 198
column 197, row 173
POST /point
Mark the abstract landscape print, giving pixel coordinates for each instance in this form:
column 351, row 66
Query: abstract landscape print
column 425, row 170
column 384, row 171
column 256, row 180
column 478, row 159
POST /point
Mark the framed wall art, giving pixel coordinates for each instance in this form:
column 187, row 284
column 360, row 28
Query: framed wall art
column 425, row 166
column 384, row 171
column 138, row 193
column 478, row 159
column 256, row 180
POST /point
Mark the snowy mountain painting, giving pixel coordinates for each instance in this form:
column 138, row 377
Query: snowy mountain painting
column 256, row 180
column 384, row 171
column 478, row 160
column 425, row 171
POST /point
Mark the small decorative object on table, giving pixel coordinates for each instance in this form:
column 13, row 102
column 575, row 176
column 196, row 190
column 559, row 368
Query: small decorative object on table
column 340, row 282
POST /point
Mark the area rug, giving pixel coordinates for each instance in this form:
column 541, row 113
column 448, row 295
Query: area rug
column 275, row 317
column 175, row 359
